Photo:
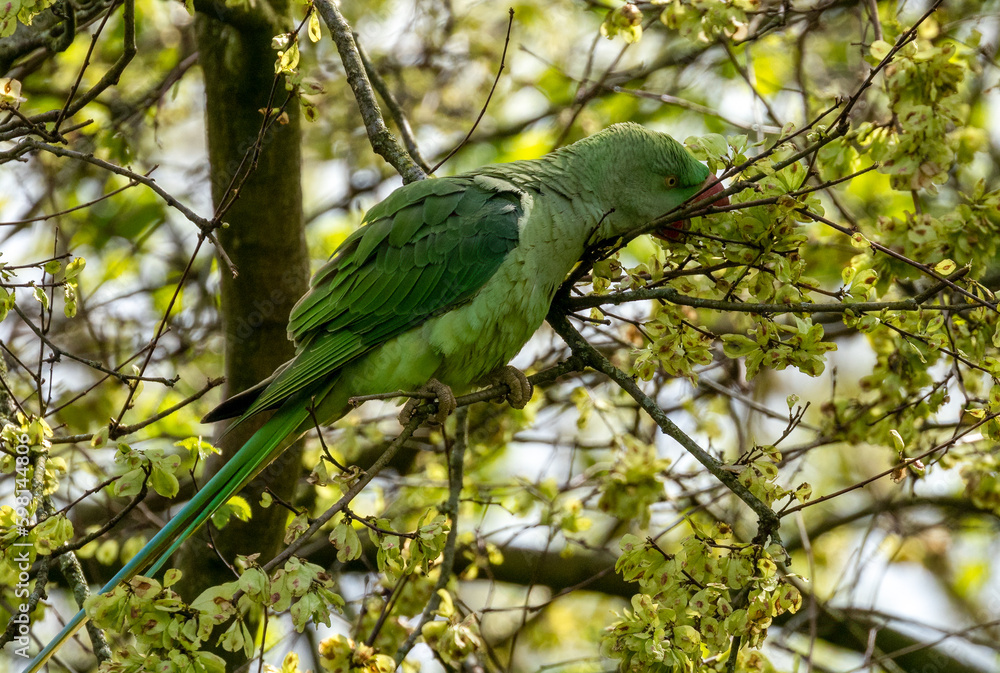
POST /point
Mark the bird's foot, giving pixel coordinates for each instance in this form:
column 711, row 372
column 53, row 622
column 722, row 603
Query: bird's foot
column 517, row 383
column 446, row 403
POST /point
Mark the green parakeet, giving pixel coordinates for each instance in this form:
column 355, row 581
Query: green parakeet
column 447, row 279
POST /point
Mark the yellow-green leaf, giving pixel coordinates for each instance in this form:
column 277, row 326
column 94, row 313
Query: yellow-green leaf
column 945, row 267
column 314, row 29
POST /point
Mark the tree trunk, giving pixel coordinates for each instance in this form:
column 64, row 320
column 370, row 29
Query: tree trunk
column 266, row 243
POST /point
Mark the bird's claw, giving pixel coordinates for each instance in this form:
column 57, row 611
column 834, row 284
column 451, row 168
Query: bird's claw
column 446, row 403
column 517, row 383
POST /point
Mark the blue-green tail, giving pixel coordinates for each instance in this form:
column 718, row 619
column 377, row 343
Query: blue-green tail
column 254, row 456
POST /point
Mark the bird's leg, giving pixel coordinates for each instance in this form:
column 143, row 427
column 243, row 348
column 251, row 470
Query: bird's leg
column 446, row 403
column 517, row 383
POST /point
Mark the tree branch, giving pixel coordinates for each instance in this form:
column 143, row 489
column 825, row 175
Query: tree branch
column 382, row 140
column 671, row 295
column 402, row 123
column 47, row 31
column 124, row 430
column 768, row 521
column 352, row 492
column 851, row 629
column 60, row 352
column 489, row 97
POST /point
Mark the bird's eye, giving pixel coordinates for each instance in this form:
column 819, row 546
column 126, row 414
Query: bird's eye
column 670, row 181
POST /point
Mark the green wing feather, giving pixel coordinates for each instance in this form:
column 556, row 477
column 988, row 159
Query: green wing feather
column 427, row 248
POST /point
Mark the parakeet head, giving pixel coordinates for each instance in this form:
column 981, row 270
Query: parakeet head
column 641, row 175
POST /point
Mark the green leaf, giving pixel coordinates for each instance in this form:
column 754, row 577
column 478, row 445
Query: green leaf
column 255, row 583
column 69, row 300
column 197, row 446
column 625, row 21
column 715, row 145
column 281, row 41
column 803, row 492
column 312, row 87
column 6, row 302
column 237, row 637
column 130, row 483
column 41, row 297
column 314, row 29
column 345, row 538
column 309, row 110
column 945, row 267
column 10, row 89
column 52, row 534
column 164, row 483
column 236, row 506
column 737, row 345
column 107, row 552
column 880, row 49
column 215, row 602
column 288, row 60
column 296, row 527
column 897, row 440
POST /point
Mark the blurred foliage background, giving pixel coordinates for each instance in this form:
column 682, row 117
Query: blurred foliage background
column 871, row 430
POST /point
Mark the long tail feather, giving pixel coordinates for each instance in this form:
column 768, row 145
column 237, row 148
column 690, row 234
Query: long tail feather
column 254, row 456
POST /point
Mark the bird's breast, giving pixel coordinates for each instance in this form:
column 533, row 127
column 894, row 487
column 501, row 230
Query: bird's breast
column 488, row 331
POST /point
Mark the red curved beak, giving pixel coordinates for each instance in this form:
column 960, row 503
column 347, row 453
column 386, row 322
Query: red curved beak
column 673, row 232
column 714, row 187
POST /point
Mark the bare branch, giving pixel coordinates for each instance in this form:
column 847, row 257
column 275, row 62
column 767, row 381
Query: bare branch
column 124, row 430
column 382, row 140
column 61, row 352
column 398, row 115
column 202, row 223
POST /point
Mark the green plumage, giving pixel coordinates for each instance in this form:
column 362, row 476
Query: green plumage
column 408, row 263
column 447, row 278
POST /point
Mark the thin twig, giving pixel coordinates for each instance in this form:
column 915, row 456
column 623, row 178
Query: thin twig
column 161, row 328
column 83, row 68
column 88, row 204
column 671, row 295
column 456, row 461
column 688, row 105
column 83, row 393
column 113, row 74
column 903, row 40
column 352, row 492
column 109, row 524
column 898, row 466
column 482, row 113
column 60, row 352
column 923, row 268
column 117, row 431
column 202, row 223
